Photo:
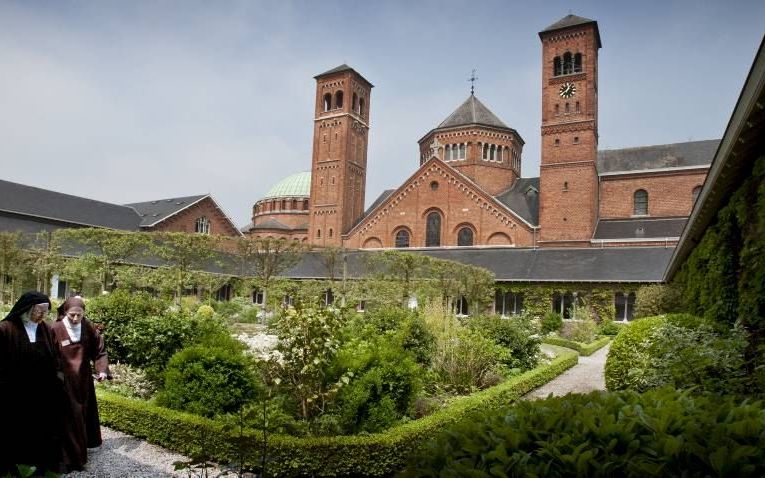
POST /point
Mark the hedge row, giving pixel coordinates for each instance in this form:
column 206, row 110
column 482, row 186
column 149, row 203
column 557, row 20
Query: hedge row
column 583, row 349
column 362, row 455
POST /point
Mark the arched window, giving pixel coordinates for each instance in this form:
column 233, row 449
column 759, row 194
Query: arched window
column 568, row 109
column 305, row 204
column 330, row 232
column 568, row 63
column 433, row 230
column 465, row 237
column 294, row 204
column 284, row 204
column 339, row 99
column 402, row 238
column 202, row 225
column 318, row 233
column 557, row 66
column 355, row 103
column 462, row 151
column 578, row 63
column 485, row 151
column 695, row 193
column 557, row 109
column 361, row 106
column 578, row 110
column 493, row 152
column 499, row 153
column 641, row 203
column 448, row 152
column 327, row 102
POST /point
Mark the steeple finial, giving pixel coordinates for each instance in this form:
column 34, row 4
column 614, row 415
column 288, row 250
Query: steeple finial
column 472, row 82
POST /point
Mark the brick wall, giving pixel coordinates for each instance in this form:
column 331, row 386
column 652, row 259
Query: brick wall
column 459, row 204
column 669, row 193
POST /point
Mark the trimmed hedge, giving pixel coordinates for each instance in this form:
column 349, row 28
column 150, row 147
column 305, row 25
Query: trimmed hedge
column 583, row 349
column 601, row 434
column 379, row 454
column 625, row 353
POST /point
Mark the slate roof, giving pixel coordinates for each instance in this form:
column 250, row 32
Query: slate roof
column 693, row 153
column 382, row 197
column 570, row 21
column 28, row 224
column 340, row 69
column 472, row 111
column 611, row 264
column 65, row 208
column 521, row 200
column 640, row 228
column 152, row 212
column 274, row 224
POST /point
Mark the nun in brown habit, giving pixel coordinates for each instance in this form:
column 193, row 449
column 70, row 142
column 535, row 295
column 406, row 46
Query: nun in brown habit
column 32, row 400
column 80, row 344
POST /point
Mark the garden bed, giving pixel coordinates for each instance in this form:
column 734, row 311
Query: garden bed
column 583, row 349
column 378, row 454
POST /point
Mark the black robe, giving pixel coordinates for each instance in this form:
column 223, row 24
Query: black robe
column 32, row 400
column 83, row 429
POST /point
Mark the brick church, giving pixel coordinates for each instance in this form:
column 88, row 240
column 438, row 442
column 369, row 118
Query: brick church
column 468, row 189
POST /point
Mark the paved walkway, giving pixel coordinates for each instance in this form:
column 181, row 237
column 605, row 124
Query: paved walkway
column 583, row 377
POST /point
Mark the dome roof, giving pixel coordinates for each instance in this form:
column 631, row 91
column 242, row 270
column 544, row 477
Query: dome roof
column 295, row 185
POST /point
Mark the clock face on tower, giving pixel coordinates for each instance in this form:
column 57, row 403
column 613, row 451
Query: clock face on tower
column 567, row 90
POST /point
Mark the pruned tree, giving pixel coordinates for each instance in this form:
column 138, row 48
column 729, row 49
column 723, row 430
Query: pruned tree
column 184, row 253
column 265, row 258
column 111, row 247
column 44, row 258
column 11, row 260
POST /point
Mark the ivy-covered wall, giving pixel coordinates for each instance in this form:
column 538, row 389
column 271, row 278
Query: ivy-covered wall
column 599, row 298
column 724, row 277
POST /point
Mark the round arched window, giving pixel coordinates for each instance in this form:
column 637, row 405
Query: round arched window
column 433, row 230
column 465, row 237
column 402, row 238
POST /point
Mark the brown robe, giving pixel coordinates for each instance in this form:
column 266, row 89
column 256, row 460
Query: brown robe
column 83, row 429
column 32, row 400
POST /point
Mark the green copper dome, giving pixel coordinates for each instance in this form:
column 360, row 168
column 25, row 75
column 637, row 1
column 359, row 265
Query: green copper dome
column 298, row 184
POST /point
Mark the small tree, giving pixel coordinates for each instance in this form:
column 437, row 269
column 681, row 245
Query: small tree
column 266, row 258
column 402, row 267
column 11, row 256
column 184, row 253
column 110, row 246
column 44, row 258
column 309, row 341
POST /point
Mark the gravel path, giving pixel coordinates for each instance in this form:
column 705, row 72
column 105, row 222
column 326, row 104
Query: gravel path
column 123, row 455
column 583, row 377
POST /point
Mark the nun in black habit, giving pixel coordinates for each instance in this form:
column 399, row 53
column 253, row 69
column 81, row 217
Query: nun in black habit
column 32, row 400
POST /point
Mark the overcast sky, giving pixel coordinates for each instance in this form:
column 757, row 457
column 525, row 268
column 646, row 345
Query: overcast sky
column 140, row 100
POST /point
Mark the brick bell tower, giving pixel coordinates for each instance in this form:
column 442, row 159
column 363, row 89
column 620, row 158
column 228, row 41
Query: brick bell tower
column 339, row 163
column 568, row 202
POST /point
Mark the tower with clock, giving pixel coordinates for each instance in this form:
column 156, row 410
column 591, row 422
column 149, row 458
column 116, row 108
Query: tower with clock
column 568, row 176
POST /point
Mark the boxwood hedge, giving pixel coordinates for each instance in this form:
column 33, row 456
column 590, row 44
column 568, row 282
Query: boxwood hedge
column 583, row 349
column 659, row 433
column 379, row 454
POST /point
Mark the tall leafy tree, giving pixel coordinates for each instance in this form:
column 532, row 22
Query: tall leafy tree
column 44, row 258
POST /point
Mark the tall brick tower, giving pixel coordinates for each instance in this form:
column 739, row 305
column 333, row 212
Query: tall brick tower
column 339, row 164
column 568, row 202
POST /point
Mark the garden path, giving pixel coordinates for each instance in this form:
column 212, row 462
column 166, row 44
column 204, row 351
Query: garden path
column 126, row 456
column 584, row 377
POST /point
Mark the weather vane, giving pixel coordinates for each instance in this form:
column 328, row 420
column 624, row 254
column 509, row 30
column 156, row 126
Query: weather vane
column 472, row 81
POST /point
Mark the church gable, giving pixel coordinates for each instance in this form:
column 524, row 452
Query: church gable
column 437, row 206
